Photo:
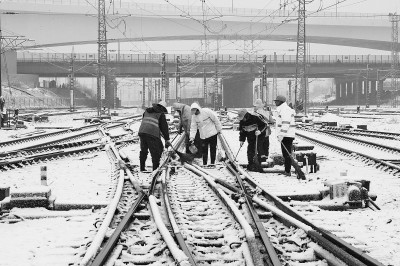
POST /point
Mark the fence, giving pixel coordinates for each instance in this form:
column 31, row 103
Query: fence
column 195, row 58
column 20, row 102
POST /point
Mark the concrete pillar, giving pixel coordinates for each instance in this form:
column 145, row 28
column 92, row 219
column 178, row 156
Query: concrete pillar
column 238, row 91
column 379, row 93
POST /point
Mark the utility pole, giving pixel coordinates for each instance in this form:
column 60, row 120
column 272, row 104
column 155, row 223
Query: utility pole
column 102, row 56
column 274, row 80
column 164, row 89
column 290, row 91
column 216, row 84
column 301, row 59
column 394, row 18
column 367, row 86
column 72, row 82
column 264, row 90
column 178, row 80
column 205, row 86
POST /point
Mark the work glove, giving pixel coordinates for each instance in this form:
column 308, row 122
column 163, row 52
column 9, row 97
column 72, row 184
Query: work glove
column 258, row 132
column 191, row 141
column 219, row 132
column 241, row 143
column 280, row 138
column 167, row 144
column 180, row 131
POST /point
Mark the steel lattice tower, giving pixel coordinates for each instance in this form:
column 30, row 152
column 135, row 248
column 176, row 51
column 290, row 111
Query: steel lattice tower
column 394, row 18
column 102, row 55
column 216, row 87
column 302, row 92
column 72, row 81
column 178, row 79
column 164, row 87
column 274, row 80
column 205, row 86
column 264, row 89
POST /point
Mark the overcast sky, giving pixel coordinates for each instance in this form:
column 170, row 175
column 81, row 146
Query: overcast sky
column 238, row 47
column 365, row 6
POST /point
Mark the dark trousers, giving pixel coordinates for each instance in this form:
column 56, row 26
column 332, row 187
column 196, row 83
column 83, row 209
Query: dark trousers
column 212, row 143
column 288, row 144
column 155, row 145
column 251, row 149
column 265, row 145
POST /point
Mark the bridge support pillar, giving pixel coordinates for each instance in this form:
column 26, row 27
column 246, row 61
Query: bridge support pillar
column 238, row 91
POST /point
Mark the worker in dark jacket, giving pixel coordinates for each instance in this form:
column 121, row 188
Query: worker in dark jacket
column 251, row 126
column 154, row 125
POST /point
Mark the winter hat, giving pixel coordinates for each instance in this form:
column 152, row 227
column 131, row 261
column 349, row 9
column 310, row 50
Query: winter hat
column 194, row 106
column 164, row 104
column 258, row 103
column 176, row 106
column 242, row 113
column 280, row 98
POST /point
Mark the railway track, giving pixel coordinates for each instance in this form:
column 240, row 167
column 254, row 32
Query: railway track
column 382, row 156
column 54, row 145
column 195, row 217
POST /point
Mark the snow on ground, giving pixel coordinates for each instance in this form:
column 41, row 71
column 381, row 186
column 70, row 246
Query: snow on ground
column 377, row 229
column 49, row 241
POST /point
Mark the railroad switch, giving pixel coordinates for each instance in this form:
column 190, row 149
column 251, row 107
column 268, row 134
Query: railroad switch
column 354, row 193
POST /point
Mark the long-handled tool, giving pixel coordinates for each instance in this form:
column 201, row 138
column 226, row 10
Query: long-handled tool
column 300, row 174
column 238, row 152
column 256, row 163
column 184, row 157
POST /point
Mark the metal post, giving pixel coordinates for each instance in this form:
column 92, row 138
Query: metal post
column 205, row 86
column 216, row 84
column 264, row 90
column 178, row 80
column 164, row 89
column 290, row 91
column 301, row 56
column 102, row 56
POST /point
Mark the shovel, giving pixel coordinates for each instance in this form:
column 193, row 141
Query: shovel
column 300, row 174
column 257, row 166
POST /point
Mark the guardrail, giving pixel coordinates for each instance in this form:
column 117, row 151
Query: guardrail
column 194, row 58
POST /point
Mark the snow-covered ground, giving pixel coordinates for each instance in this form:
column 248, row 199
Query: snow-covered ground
column 49, row 241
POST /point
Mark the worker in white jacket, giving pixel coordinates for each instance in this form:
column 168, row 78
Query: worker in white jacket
column 206, row 121
column 285, row 129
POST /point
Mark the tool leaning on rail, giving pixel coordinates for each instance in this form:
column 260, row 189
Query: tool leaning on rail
column 342, row 250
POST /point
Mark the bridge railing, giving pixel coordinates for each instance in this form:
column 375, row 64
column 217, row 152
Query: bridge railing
column 196, row 58
column 196, row 10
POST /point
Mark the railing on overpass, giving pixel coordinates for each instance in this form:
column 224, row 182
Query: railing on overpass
column 194, row 58
column 197, row 10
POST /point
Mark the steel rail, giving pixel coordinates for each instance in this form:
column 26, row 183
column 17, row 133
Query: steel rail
column 363, row 141
column 168, row 210
column 366, row 134
column 105, row 252
column 273, row 257
column 383, row 162
column 347, row 252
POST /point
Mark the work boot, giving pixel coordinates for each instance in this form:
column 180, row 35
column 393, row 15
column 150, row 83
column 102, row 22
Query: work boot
column 287, row 174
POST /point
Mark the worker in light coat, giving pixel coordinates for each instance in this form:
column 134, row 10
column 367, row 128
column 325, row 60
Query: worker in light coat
column 206, row 121
column 185, row 118
column 285, row 130
column 266, row 116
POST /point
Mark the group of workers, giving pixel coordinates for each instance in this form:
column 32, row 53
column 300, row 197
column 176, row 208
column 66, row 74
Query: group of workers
column 202, row 127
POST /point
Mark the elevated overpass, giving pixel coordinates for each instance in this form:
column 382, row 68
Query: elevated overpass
column 73, row 22
column 146, row 65
column 351, row 72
